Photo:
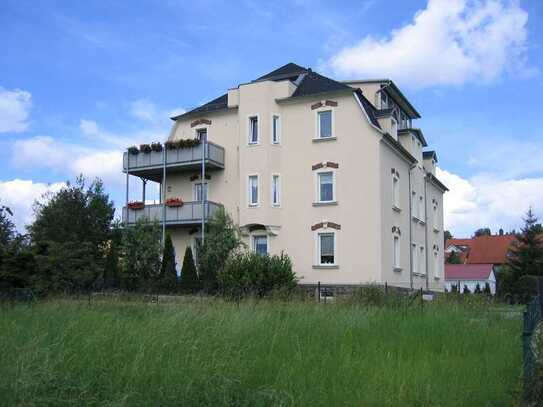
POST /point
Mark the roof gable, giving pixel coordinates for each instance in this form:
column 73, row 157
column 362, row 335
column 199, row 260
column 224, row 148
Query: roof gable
column 468, row 271
column 314, row 83
column 284, row 72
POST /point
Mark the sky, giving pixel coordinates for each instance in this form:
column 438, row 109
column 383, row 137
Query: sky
column 81, row 81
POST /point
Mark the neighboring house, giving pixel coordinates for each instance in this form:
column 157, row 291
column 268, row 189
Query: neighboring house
column 459, row 276
column 332, row 173
column 482, row 249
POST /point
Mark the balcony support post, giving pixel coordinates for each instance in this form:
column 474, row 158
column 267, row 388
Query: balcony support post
column 202, row 179
column 127, row 183
column 144, row 181
column 164, row 152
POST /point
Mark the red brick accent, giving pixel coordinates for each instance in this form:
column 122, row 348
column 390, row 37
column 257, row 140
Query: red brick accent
column 331, row 225
column 330, row 164
column 326, row 103
column 316, row 105
column 331, row 103
column 200, row 121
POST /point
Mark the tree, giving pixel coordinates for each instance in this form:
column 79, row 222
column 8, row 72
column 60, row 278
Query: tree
column 190, row 281
column 168, row 273
column 482, row 232
column 487, row 290
column 111, row 277
column 526, row 255
column 447, row 235
column 7, row 229
column 140, row 256
column 221, row 239
column 477, row 289
column 70, row 235
column 453, row 258
column 466, row 290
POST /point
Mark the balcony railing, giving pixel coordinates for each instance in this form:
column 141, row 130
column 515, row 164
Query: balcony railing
column 188, row 214
column 150, row 165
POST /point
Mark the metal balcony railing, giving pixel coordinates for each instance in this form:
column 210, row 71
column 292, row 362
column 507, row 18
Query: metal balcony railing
column 188, row 214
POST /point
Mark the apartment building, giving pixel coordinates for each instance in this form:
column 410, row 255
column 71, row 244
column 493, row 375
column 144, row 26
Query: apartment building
column 332, row 173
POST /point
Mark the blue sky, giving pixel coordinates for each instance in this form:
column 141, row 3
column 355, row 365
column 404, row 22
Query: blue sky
column 79, row 81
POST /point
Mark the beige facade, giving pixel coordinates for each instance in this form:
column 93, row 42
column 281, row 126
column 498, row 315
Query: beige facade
column 319, row 170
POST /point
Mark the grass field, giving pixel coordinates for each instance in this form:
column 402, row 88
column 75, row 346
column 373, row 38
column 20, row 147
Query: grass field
column 260, row 353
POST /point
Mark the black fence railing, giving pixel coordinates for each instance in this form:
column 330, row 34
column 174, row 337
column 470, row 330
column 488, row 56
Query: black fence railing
column 533, row 322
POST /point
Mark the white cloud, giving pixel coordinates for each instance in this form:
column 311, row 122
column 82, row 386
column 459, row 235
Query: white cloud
column 147, row 111
column 20, row 196
column 486, row 201
column 14, row 109
column 450, row 42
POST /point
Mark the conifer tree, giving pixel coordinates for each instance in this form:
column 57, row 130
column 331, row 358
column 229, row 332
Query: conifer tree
column 189, row 278
column 526, row 257
column 168, row 273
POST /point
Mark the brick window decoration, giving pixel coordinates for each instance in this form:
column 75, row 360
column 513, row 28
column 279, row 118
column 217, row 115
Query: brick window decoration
column 322, row 103
column 326, row 225
column 325, row 164
column 200, row 121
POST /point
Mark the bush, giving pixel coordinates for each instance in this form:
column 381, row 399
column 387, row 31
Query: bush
column 168, row 273
column 249, row 273
column 190, row 282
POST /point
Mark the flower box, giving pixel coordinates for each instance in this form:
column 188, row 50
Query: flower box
column 136, row 205
column 182, row 143
column 133, row 150
column 157, row 147
column 145, row 148
column 174, row 202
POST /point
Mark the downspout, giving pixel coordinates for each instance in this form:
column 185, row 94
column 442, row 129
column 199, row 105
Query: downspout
column 410, row 231
column 127, row 183
column 426, row 251
column 203, row 177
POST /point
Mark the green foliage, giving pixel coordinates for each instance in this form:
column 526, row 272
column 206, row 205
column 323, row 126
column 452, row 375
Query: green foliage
column 256, row 353
column 250, row 273
column 477, row 289
column 487, row 290
column 182, row 143
column 466, row 290
column 140, row 256
column 368, row 295
column 190, row 282
column 7, row 229
column 482, row 232
column 18, row 264
column 168, row 273
column 453, row 258
column 222, row 238
column 526, row 256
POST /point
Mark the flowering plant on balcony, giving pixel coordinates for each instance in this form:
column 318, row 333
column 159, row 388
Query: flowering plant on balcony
column 133, row 150
column 182, row 143
column 157, row 147
column 174, row 202
column 145, row 148
column 136, row 205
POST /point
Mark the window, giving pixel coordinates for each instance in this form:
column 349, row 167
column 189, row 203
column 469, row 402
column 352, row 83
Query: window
column 325, row 186
column 395, row 191
column 325, row 124
column 414, row 257
column 253, row 130
column 201, row 134
column 414, row 207
column 199, row 193
column 396, row 252
column 260, row 245
column 422, row 262
column 276, row 190
column 384, row 100
column 327, row 249
column 394, row 128
column 253, row 190
column 276, row 129
column 437, row 266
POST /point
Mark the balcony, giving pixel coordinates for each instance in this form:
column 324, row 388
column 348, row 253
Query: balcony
column 187, row 215
column 149, row 165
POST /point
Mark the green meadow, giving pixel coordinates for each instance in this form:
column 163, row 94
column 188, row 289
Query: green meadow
column 257, row 353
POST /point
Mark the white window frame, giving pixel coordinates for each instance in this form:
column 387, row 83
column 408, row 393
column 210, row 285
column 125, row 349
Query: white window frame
column 259, row 235
column 250, row 203
column 195, row 190
column 318, row 123
column 395, row 191
column 318, row 185
column 278, row 128
column 318, row 233
column 197, row 131
column 396, row 252
column 278, row 203
column 422, row 263
column 250, row 130
column 394, row 128
column 414, row 258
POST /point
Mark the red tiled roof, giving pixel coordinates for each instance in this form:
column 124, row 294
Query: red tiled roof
column 467, row 271
column 484, row 249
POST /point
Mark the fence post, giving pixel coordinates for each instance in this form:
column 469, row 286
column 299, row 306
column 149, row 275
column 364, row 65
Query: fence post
column 386, row 293
column 421, row 300
column 319, row 291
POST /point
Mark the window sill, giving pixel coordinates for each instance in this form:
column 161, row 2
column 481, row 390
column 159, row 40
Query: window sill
column 276, row 206
column 253, row 206
column 396, row 208
column 331, row 203
column 325, row 266
column 419, row 274
column 252, row 144
column 396, row 269
column 436, row 230
column 318, row 140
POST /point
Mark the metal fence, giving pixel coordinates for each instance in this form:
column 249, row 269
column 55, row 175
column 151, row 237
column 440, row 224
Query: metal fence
column 533, row 318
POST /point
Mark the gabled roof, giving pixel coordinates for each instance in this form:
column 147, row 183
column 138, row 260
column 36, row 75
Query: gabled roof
column 468, row 271
column 289, row 70
column 368, row 107
column 314, row 83
column 429, row 155
column 216, row 104
column 416, row 132
column 485, row 249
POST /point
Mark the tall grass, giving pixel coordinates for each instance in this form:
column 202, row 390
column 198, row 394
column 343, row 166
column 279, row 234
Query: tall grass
column 256, row 354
